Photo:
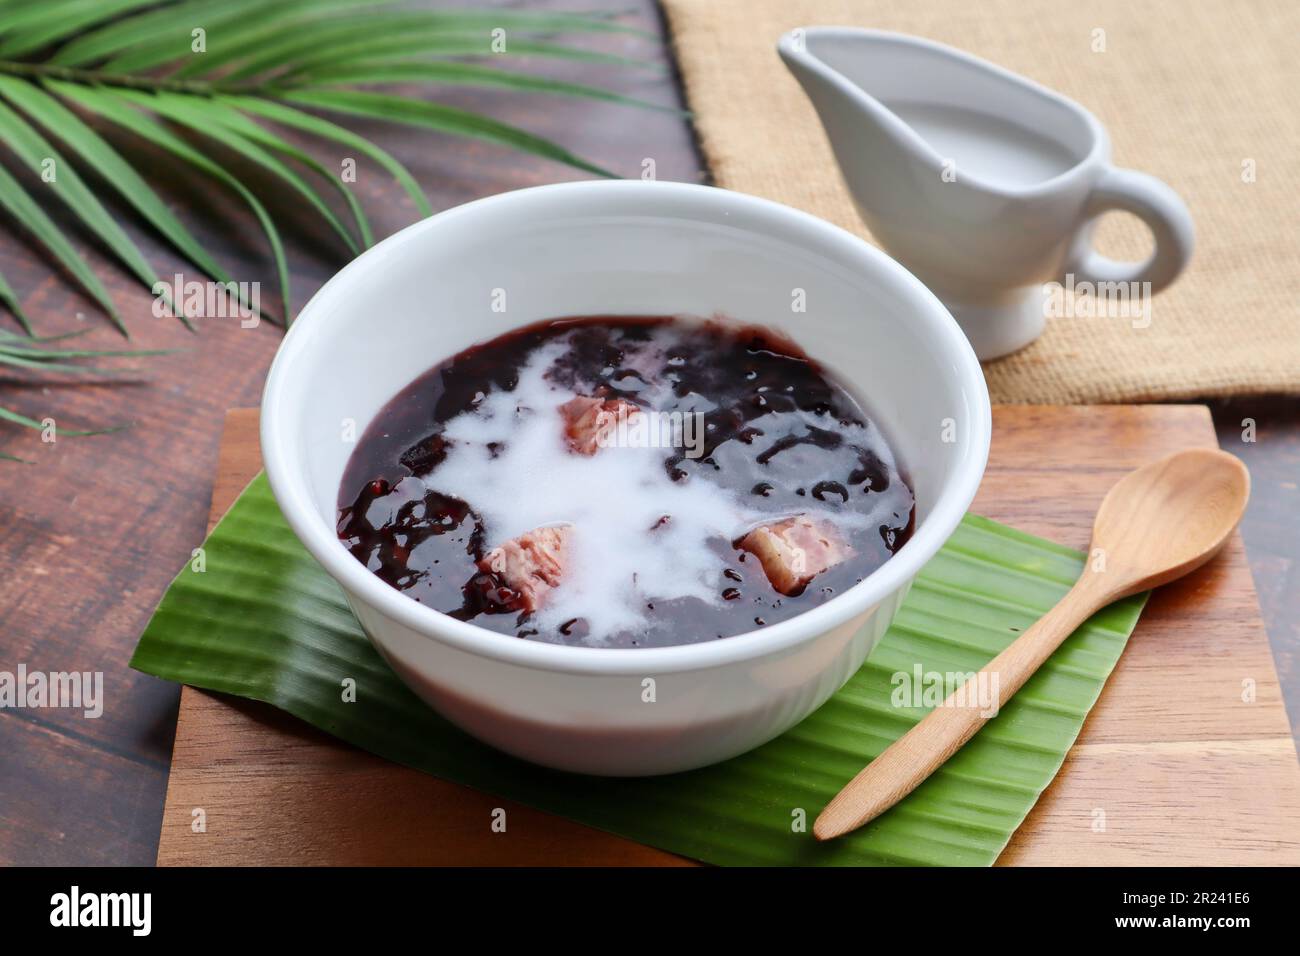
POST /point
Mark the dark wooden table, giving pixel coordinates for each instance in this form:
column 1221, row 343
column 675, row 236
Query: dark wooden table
column 92, row 533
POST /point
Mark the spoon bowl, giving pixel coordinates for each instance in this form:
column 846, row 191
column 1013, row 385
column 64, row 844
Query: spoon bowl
column 1168, row 518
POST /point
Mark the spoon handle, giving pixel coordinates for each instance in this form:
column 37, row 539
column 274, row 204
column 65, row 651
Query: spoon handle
column 919, row 752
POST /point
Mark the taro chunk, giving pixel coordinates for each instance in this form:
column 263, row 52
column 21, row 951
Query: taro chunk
column 794, row 551
column 530, row 564
column 589, row 422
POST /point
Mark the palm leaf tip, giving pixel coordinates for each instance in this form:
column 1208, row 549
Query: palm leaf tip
column 9, row 415
column 440, row 118
column 11, row 301
column 288, row 116
column 451, row 73
column 49, row 354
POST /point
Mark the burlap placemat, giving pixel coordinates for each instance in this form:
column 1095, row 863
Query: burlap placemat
column 1197, row 92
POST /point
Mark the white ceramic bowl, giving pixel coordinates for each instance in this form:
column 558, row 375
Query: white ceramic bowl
column 630, row 248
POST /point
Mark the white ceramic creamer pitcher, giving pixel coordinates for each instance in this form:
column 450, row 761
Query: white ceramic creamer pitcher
column 983, row 183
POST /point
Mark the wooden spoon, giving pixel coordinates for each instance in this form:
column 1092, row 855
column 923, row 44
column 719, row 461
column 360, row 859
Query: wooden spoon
column 1157, row 524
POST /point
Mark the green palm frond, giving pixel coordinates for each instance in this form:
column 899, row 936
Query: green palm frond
column 40, row 354
column 183, row 75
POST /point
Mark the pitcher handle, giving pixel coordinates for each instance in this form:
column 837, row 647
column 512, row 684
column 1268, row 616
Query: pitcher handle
column 1152, row 201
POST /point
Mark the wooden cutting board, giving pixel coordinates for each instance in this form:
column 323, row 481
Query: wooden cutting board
column 1186, row 759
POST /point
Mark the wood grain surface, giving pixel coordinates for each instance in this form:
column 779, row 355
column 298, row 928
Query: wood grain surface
column 1176, row 764
column 91, row 535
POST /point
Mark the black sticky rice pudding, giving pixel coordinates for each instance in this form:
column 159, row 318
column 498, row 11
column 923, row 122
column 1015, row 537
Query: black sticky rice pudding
column 624, row 482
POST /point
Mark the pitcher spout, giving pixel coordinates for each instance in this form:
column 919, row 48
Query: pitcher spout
column 836, row 73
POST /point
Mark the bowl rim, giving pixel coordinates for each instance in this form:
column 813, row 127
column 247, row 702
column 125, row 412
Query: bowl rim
column 933, row 323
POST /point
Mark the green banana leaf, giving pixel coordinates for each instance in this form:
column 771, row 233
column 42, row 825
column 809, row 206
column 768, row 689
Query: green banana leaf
column 263, row 620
